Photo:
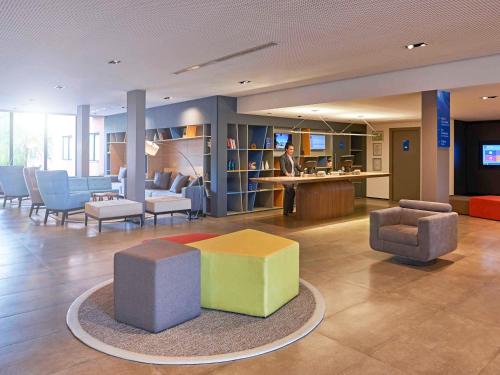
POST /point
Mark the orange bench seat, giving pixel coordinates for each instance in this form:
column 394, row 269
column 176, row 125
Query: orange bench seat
column 486, row 207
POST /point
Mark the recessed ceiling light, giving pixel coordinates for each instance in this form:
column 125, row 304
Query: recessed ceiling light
column 299, row 116
column 167, row 97
column 416, row 45
column 194, row 67
column 314, row 110
column 59, row 87
column 246, row 82
column 114, row 62
column 489, row 97
column 269, row 113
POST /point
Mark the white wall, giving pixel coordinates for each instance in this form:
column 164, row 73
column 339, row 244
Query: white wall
column 379, row 187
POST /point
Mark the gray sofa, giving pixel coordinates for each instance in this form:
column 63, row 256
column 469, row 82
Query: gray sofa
column 195, row 193
column 416, row 230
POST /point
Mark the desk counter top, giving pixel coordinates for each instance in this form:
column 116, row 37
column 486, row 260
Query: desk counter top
column 305, row 180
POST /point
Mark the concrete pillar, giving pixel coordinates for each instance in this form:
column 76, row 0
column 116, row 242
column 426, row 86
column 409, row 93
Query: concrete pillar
column 82, row 140
column 136, row 128
column 435, row 149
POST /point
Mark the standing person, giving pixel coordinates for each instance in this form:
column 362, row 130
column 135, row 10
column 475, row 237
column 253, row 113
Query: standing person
column 290, row 168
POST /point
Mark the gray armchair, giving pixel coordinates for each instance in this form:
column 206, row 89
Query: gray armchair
column 416, row 230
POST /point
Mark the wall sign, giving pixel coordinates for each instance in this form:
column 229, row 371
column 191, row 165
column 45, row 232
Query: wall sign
column 443, row 119
column 406, row 145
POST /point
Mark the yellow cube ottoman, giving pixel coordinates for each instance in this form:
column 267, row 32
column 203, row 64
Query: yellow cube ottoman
column 248, row 272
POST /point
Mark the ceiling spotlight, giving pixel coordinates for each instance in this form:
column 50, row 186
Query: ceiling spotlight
column 269, row 113
column 246, row 82
column 299, row 116
column 489, row 97
column 167, row 97
column 59, row 87
column 416, row 45
column 114, row 62
column 314, row 110
column 194, row 67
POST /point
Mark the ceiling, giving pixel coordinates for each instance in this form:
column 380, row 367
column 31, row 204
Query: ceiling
column 69, row 42
column 466, row 104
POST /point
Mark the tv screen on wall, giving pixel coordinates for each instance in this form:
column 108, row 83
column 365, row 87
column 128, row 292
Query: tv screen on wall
column 491, row 155
column 281, row 139
column 318, row 142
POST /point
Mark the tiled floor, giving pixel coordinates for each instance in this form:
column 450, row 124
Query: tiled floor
column 382, row 317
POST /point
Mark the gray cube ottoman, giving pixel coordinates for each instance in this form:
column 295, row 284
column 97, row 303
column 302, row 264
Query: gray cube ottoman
column 157, row 285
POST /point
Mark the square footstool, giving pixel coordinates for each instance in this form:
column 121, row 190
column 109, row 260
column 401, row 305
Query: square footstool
column 248, row 272
column 157, row 285
column 168, row 205
column 109, row 210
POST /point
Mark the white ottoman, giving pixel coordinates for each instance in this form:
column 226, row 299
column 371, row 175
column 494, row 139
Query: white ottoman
column 168, row 205
column 109, row 210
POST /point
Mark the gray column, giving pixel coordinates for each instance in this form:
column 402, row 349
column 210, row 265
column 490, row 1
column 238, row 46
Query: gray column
column 82, row 140
column 435, row 160
column 136, row 129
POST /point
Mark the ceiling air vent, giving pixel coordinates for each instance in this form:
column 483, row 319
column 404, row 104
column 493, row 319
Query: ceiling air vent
column 227, row 57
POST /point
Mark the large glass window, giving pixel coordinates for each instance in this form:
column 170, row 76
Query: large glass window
column 4, row 138
column 61, row 134
column 94, row 147
column 28, row 139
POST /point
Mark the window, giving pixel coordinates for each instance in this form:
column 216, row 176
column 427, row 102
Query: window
column 28, row 137
column 66, row 145
column 4, row 138
column 94, row 147
column 61, row 136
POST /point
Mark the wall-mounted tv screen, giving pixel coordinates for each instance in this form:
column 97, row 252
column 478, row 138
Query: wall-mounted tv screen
column 281, row 139
column 491, row 155
column 318, row 142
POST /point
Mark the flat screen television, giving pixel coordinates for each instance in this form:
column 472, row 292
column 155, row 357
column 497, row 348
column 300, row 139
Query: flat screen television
column 281, row 139
column 490, row 155
column 318, row 142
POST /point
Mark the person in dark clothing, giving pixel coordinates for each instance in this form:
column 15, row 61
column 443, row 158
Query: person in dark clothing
column 289, row 167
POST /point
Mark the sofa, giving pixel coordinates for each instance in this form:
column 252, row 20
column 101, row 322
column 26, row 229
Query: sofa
column 416, row 231
column 91, row 185
column 196, row 192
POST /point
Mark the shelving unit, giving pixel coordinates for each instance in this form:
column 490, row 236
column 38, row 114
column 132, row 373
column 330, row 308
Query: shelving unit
column 116, row 145
column 249, row 155
column 357, row 148
column 252, row 145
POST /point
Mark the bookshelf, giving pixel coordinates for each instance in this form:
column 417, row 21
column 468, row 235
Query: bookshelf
column 249, row 147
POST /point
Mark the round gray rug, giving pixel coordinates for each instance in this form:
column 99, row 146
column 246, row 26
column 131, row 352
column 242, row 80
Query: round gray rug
column 214, row 336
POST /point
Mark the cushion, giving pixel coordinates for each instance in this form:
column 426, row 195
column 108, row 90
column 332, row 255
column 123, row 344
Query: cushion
column 403, row 234
column 196, row 182
column 157, row 285
column 180, row 181
column 167, row 204
column 161, row 180
column 115, row 208
column 122, row 174
column 410, row 216
column 248, row 272
column 424, row 205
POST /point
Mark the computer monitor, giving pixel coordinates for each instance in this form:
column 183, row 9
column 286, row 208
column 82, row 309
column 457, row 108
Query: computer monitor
column 346, row 162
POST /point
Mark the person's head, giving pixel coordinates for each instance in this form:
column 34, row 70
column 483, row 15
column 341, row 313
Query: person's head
column 289, row 148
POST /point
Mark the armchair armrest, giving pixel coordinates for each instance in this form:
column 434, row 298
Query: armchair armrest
column 438, row 234
column 380, row 218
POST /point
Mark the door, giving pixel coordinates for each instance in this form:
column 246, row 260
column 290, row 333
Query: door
column 405, row 163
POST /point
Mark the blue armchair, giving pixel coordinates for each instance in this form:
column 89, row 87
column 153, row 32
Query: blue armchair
column 13, row 184
column 54, row 188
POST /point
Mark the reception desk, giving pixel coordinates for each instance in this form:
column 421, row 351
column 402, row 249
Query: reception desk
column 322, row 197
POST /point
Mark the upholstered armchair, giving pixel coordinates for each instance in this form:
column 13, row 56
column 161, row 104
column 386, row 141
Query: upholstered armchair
column 55, row 192
column 416, row 230
column 31, row 184
column 13, row 184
